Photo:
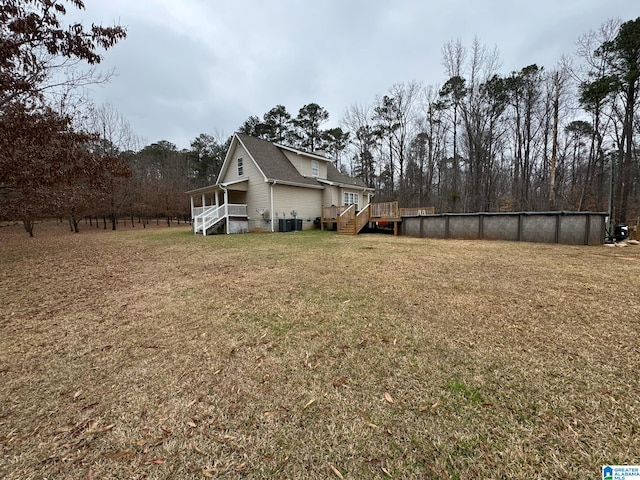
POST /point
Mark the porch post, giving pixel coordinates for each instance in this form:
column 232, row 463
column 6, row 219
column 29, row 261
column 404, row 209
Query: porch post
column 204, row 200
column 226, row 207
column 217, row 201
column 193, row 220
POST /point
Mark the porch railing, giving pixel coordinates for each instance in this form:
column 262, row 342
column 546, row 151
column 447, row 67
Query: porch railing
column 209, row 216
column 200, row 210
column 237, row 210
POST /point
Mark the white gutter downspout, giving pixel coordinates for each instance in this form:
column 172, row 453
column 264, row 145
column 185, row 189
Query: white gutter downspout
column 271, row 192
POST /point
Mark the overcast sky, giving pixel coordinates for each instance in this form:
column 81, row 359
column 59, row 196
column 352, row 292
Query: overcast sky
column 203, row 66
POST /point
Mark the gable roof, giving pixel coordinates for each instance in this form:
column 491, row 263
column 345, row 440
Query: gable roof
column 335, row 176
column 275, row 166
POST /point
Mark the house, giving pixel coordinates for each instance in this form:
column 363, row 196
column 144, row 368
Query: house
column 271, row 187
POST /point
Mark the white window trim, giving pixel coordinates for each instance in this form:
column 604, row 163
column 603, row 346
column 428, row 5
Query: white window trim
column 315, row 168
column 240, row 167
column 352, row 198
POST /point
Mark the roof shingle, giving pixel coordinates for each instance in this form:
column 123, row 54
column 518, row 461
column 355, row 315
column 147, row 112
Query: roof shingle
column 276, row 166
column 273, row 163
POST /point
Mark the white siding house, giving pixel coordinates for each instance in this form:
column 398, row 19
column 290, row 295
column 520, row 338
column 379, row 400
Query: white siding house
column 261, row 183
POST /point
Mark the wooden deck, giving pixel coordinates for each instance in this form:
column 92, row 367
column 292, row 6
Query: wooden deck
column 350, row 222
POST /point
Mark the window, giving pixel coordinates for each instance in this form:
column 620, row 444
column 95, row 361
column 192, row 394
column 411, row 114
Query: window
column 351, row 198
column 240, row 167
column 315, row 169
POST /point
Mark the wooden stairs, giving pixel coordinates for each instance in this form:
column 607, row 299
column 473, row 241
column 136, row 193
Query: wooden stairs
column 348, row 222
column 349, row 228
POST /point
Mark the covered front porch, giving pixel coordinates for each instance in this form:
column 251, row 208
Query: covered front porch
column 221, row 207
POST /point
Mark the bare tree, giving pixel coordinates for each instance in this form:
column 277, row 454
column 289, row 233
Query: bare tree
column 609, row 88
column 395, row 116
column 454, row 55
column 42, row 155
column 431, row 140
column 114, row 130
column 114, row 138
column 481, row 109
column 452, row 93
column 364, row 142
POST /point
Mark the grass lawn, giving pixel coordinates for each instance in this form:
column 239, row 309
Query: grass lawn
column 160, row 354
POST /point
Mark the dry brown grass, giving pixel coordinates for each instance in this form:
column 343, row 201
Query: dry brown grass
column 158, row 354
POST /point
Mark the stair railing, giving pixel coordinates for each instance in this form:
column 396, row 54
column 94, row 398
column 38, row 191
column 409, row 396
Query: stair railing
column 201, row 213
column 362, row 218
column 211, row 217
column 345, row 217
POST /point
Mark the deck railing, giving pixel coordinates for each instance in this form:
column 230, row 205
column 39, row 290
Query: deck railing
column 417, row 211
column 382, row 210
column 333, row 212
column 385, row 210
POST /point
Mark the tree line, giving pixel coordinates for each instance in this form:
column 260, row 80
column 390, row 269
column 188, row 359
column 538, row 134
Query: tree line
column 160, row 173
column 533, row 139
column 49, row 166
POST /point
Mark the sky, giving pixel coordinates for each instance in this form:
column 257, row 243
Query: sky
column 204, row 66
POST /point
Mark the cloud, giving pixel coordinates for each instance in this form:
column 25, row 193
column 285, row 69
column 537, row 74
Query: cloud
column 197, row 66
